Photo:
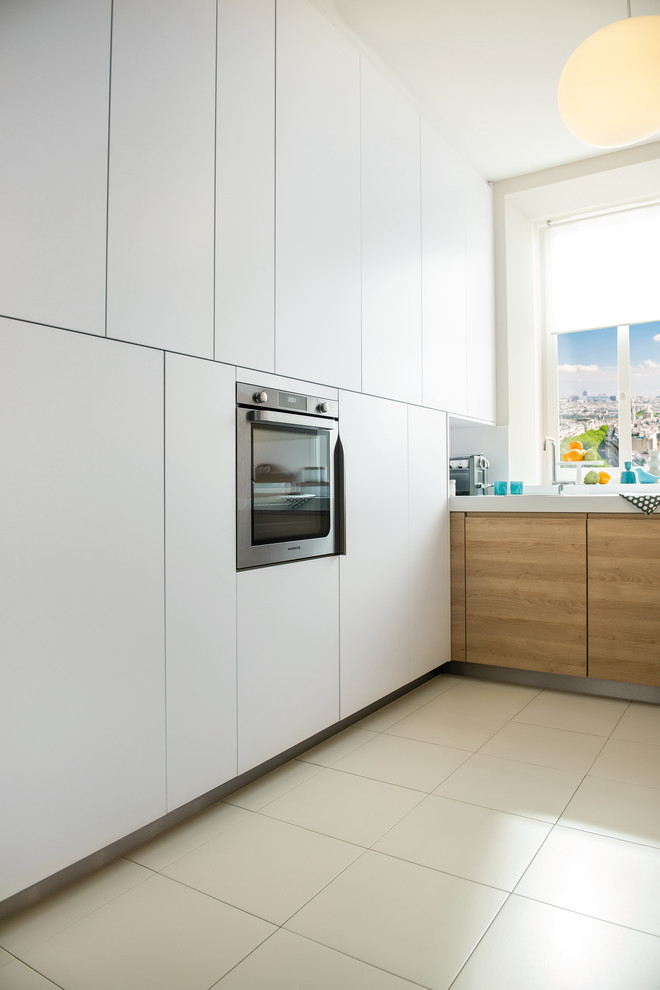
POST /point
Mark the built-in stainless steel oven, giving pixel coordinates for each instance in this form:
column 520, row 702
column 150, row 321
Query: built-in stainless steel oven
column 289, row 476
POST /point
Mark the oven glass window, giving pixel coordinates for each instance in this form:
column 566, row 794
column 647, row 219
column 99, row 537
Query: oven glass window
column 290, row 483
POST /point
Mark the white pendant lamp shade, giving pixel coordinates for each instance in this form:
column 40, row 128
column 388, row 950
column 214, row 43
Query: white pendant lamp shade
column 609, row 91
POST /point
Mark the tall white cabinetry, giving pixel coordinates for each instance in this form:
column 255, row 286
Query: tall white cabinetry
column 54, row 98
column 318, row 199
column 444, row 276
column 428, row 533
column 288, row 656
column 480, row 300
column 245, row 184
column 161, row 184
column 374, row 572
column 391, row 235
column 200, row 576
column 81, row 543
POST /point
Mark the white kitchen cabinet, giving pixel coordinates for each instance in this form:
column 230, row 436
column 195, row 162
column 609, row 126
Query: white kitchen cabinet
column 245, row 184
column 161, row 181
column 391, row 251
column 318, row 199
column 81, row 543
column 288, row 656
column 374, row 572
column 428, row 528
column 54, row 72
column 200, row 569
column 444, row 288
column 480, row 299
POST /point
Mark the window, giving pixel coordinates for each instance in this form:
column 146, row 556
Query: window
column 603, row 304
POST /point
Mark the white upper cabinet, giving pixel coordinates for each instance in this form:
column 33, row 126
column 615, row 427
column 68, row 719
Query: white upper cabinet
column 54, row 96
column 81, row 544
column 428, row 527
column 200, row 568
column 480, row 299
column 288, row 656
column 444, row 289
column 374, row 572
column 318, row 199
column 391, row 250
column 161, row 184
column 245, row 184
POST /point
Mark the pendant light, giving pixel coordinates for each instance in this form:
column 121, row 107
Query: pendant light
column 609, row 91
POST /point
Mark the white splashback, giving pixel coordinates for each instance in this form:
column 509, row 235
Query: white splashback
column 491, row 441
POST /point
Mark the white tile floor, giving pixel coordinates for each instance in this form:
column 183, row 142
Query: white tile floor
column 471, row 835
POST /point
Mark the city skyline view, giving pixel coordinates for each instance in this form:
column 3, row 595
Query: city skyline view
column 587, row 361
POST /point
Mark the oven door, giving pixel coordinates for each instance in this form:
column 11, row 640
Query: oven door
column 285, row 487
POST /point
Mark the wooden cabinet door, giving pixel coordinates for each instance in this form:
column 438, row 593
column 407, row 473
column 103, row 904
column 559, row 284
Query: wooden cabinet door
column 624, row 578
column 457, row 569
column 526, row 599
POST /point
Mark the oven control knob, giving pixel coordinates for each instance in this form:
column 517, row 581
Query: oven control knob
column 322, row 407
column 260, row 396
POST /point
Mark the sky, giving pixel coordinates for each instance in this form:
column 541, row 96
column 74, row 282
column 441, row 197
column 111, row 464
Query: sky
column 588, row 360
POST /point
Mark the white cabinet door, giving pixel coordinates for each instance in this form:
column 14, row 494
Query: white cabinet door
column 444, row 293
column 200, row 569
column 288, row 656
column 391, row 252
column 480, row 300
column 318, row 199
column 81, row 544
column 245, row 184
column 374, row 572
column 429, row 540
column 54, row 72
column 161, row 192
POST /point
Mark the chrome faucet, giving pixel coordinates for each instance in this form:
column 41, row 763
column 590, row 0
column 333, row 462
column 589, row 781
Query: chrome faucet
column 551, row 442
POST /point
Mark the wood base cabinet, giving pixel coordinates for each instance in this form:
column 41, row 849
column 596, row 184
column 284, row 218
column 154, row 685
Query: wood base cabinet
column 526, row 592
column 624, row 578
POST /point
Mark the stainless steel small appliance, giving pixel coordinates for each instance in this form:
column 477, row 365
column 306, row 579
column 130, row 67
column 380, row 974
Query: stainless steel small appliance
column 470, row 472
column 289, row 476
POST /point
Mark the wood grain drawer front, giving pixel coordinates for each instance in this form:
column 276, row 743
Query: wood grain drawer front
column 457, row 557
column 526, row 595
column 624, row 598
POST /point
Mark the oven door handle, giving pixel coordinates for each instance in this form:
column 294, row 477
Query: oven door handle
column 290, row 419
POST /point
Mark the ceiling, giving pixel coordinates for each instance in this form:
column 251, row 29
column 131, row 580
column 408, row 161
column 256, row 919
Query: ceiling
column 486, row 71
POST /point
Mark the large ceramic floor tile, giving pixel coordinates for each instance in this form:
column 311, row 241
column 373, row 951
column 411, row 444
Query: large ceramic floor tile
column 558, row 748
column 407, row 762
column 640, row 723
column 335, row 747
column 636, row 763
column 475, row 843
column 183, row 838
column 26, row 930
column 487, row 699
column 342, row 805
column 289, row 962
column 613, row 807
column 408, row 703
column 419, row 924
column 447, row 728
column 576, row 712
column 505, row 785
column 532, row 946
column 264, row 866
column 158, row 936
column 255, row 795
column 606, row 878
column 17, row 976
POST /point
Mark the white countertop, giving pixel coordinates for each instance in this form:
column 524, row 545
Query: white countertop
column 575, row 498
